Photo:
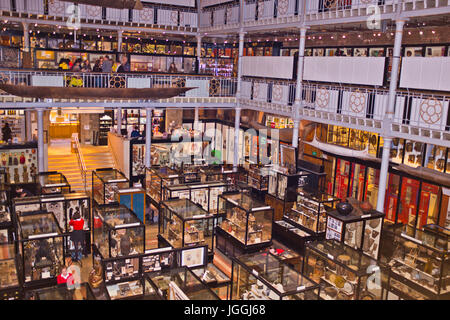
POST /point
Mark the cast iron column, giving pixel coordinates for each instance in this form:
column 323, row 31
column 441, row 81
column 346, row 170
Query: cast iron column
column 40, row 127
column 298, row 88
column 119, row 120
column 148, row 137
column 387, row 139
column 237, row 121
column 26, row 37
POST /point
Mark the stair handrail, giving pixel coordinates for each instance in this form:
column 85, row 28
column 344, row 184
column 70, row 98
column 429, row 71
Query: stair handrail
column 81, row 163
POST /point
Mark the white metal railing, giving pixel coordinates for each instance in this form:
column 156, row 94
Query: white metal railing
column 422, row 110
column 80, row 159
column 207, row 86
column 153, row 14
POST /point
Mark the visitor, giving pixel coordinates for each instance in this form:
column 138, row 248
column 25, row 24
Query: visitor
column 107, row 65
column 6, row 132
column 97, row 66
column 98, row 78
column 115, row 65
column 62, row 278
column 77, row 235
column 135, row 133
column 86, row 66
column 173, row 68
column 124, row 66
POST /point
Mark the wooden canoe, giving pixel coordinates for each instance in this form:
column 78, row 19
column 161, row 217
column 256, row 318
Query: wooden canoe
column 41, row 92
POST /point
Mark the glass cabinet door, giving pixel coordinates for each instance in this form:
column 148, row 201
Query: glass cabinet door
column 342, row 178
column 408, row 201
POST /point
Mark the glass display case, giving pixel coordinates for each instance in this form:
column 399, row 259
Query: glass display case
column 105, row 185
column 180, row 284
column 41, row 246
column 223, row 173
column 342, row 272
column 282, row 189
column 247, row 224
column 128, row 290
column 183, row 223
column 6, row 224
column 360, row 229
column 117, row 232
column 257, row 176
column 204, row 194
column 10, row 287
column 291, row 235
column 52, row 182
column 419, row 264
column 215, row 279
column 286, row 254
column 261, row 276
column 61, row 292
column 157, row 178
column 310, row 211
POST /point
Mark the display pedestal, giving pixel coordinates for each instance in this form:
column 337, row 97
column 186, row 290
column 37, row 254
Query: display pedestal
column 232, row 247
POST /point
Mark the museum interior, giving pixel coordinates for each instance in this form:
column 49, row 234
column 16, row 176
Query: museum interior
column 224, row 150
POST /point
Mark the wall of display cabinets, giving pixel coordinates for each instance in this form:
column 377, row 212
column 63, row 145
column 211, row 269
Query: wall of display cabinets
column 20, row 161
column 10, row 280
column 413, row 200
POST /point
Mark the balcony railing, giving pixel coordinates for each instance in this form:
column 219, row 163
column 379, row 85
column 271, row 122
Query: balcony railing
column 422, row 110
column 154, row 15
column 206, row 86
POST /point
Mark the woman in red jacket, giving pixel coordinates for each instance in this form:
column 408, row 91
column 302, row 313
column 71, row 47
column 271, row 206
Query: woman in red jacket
column 62, row 278
column 77, row 235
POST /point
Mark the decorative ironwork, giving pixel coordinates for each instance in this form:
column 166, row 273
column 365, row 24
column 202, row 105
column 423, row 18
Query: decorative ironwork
column 431, row 110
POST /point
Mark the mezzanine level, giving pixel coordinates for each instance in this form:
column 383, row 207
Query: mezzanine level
column 280, row 14
column 419, row 116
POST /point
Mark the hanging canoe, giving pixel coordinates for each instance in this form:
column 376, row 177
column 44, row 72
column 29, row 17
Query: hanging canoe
column 342, row 151
column 41, row 92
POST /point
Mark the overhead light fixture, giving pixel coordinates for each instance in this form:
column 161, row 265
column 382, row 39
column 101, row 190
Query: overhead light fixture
column 421, row 32
column 409, row 32
column 138, row 5
column 433, row 32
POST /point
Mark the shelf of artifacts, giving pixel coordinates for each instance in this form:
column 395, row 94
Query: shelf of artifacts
column 129, row 290
column 63, row 207
column 223, row 173
column 106, row 184
column 282, row 189
column 183, row 223
column 343, row 272
column 291, row 235
column 10, row 285
column 246, row 226
column 309, row 212
column 118, row 239
column 420, row 262
column 261, row 276
column 359, row 229
column 204, row 194
column 20, row 161
column 180, row 284
column 286, row 254
column 158, row 178
column 105, row 125
column 41, row 248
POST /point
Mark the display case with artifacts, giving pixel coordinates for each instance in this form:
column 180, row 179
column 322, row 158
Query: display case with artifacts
column 157, row 178
column 10, row 286
column 247, row 224
column 126, row 290
column 204, row 194
column 41, row 248
column 291, row 235
column 309, row 212
column 223, row 173
column 215, row 279
column 286, row 254
column 342, row 272
column 183, row 223
column 20, row 161
column 106, row 184
column 282, row 189
column 419, row 264
column 356, row 224
column 6, row 224
column 117, row 232
column 180, row 284
column 61, row 292
column 52, row 182
column 257, row 176
column 261, row 276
